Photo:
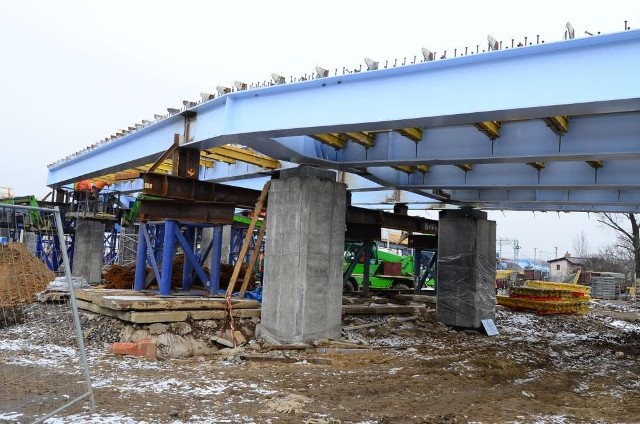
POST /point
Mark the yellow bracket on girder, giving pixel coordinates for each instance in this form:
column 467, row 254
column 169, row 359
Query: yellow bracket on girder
column 414, row 134
column 217, row 157
column 490, row 128
column 595, row 163
column 558, row 124
column 411, row 169
column 405, row 168
column 537, row 165
column 466, row 167
column 362, row 138
column 245, row 155
column 227, row 154
column 333, row 140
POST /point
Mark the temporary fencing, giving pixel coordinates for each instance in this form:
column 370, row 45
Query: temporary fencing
column 43, row 363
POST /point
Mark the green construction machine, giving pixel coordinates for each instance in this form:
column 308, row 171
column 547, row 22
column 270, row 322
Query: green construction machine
column 386, row 270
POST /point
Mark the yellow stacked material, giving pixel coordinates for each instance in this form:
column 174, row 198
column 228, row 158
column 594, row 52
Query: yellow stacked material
column 544, row 297
column 544, row 307
column 574, row 288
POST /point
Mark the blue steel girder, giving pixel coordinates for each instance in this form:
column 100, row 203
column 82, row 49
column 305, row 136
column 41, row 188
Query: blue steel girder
column 620, row 174
column 591, row 80
column 598, row 137
column 586, row 76
column 570, row 197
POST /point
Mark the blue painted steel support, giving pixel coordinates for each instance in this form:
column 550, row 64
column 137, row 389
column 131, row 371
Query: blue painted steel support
column 48, row 250
column 110, row 247
column 151, row 255
column 216, row 256
column 238, row 233
column 158, row 240
column 189, row 255
column 431, row 270
column 187, row 268
column 170, row 227
column 141, row 256
column 71, row 246
column 417, row 268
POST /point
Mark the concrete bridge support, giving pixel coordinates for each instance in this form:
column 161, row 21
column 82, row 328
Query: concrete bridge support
column 466, row 268
column 302, row 298
column 88, row 250
column 207, row 236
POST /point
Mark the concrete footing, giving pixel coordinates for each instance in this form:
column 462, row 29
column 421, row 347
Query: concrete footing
column 302, row 296
column 466, row 268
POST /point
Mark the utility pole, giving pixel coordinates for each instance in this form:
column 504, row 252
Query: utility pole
column 556, row 257
column 535, row 251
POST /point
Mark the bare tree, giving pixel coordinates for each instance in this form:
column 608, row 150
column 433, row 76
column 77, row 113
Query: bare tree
column 628, row 239
column 581, row 245
column 611, row 258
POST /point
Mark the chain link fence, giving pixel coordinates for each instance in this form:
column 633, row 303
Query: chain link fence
column 43, row 364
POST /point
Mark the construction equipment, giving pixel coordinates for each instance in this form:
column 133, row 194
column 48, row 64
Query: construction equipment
column 386, row 270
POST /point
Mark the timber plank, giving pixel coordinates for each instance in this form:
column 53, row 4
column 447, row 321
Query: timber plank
column 144, row 303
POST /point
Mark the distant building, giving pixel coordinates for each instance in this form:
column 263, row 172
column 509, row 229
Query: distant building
column 561, row 268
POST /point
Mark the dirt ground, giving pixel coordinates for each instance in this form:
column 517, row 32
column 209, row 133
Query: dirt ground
column 540, row 369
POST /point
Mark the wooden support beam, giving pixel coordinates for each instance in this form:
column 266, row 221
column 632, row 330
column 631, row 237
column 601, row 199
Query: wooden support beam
column 254, row 257
column 248, row 237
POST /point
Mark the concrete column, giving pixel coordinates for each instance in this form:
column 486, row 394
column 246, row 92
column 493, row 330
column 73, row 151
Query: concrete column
column 30, row 240
column 207, row 236
column 88, row 250
column 205, row 241
column 226, row 243
column 466, row 268
column 302, row 298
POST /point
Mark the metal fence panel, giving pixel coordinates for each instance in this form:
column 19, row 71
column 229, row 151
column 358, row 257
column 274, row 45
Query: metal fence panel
column 40, row 374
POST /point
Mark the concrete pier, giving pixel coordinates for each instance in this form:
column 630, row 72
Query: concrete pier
column 88, row 250
column 302, row 296
column 466, row 268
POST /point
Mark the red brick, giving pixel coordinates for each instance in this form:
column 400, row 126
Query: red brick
column 144, row 348
column 122, row 348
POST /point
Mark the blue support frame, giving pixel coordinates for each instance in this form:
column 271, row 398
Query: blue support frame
column 48, row 250
column 110, row 251
column 214, row 283
column 149, row 250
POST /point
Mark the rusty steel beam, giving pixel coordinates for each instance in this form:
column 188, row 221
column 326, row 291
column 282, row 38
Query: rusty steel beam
column 209, row 212
column 394, row 221
column 180, row 188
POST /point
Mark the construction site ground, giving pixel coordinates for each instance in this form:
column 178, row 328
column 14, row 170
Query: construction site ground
column 539, row 369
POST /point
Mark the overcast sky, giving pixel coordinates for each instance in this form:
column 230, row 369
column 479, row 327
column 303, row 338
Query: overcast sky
column 73, row 72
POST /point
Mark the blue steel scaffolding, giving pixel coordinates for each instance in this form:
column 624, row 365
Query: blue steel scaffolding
column 157, row 243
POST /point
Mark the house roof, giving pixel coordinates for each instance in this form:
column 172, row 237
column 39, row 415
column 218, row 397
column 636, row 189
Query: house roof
column 572, row 260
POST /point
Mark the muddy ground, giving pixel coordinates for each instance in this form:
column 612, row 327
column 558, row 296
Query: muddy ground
column 540, row 369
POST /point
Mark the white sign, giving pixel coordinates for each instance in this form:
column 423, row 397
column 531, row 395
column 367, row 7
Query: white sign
column 490, row 327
